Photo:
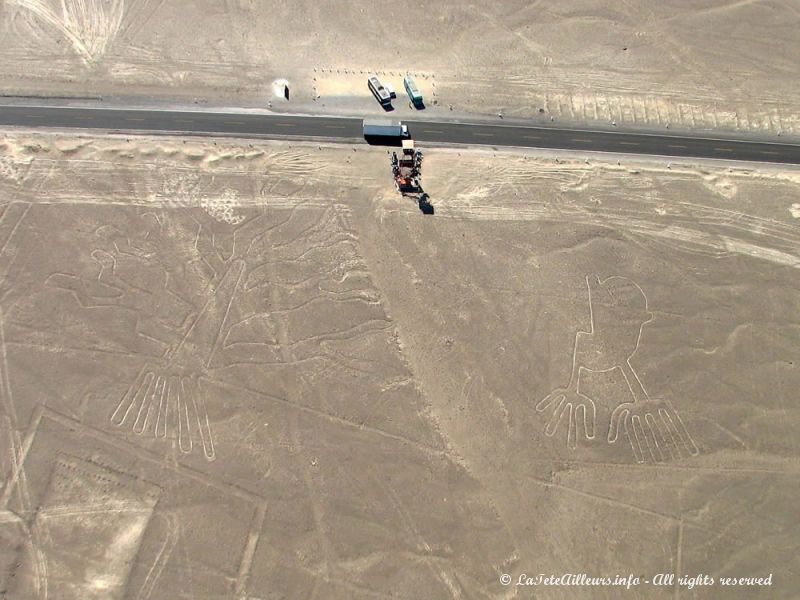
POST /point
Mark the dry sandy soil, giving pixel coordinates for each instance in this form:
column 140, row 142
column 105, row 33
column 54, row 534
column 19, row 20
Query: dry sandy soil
column 699, row 64
column 254, row 371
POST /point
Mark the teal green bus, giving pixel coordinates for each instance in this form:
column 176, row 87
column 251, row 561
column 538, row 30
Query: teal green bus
column 412, row 90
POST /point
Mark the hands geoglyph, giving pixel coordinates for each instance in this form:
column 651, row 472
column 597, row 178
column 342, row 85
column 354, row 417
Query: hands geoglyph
column 655, row 431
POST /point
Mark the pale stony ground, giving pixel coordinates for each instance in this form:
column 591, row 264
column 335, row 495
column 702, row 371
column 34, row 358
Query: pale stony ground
column 254, row 371
column 701, row 65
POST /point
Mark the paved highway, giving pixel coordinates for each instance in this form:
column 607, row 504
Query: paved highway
column 260, row 125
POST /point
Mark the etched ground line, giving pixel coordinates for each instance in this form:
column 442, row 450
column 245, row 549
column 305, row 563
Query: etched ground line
column 143, row 454
column 246, row 564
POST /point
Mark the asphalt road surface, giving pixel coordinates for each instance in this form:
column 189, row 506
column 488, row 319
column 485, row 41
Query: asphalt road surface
column 259, row 125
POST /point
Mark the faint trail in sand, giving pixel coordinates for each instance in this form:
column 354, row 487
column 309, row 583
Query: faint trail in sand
column 89, row 25
column 510, row 195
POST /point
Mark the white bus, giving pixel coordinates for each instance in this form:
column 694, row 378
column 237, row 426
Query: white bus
column 377, row 89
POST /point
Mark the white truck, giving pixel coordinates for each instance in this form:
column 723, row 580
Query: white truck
column 384, row 128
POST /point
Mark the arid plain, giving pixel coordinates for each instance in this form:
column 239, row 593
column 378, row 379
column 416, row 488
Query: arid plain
column 251, row 370
column 254, row 371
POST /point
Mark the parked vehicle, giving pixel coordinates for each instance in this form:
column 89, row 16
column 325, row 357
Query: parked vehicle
column 381, row 94
column 413, row 91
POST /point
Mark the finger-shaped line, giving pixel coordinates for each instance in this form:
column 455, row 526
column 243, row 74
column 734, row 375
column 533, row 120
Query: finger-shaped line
column 172, row 422
column 184, row 432
column 587, row 413
column 126, row 404
column 678, row 431
column 672, row 431
column 572, row 426
column 639, row 428
column 630, row 434
column 143, row 416
column 638, row 434
column 668, row 441
column 619, row 416
column 142, row 401
column 163, row 408
column 555, row 417
column 549, row 400
column 691, row 447
column 203, row 424
column 641, row 441
column 651, row 435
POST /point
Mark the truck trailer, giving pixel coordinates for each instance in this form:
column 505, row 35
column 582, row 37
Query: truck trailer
column 384, row 128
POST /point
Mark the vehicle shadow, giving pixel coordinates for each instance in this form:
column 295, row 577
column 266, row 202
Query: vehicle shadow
column 425, row 204
column 383, row 140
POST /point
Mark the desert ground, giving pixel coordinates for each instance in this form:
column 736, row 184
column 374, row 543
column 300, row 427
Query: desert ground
column 707, row 64
column 237, row 370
